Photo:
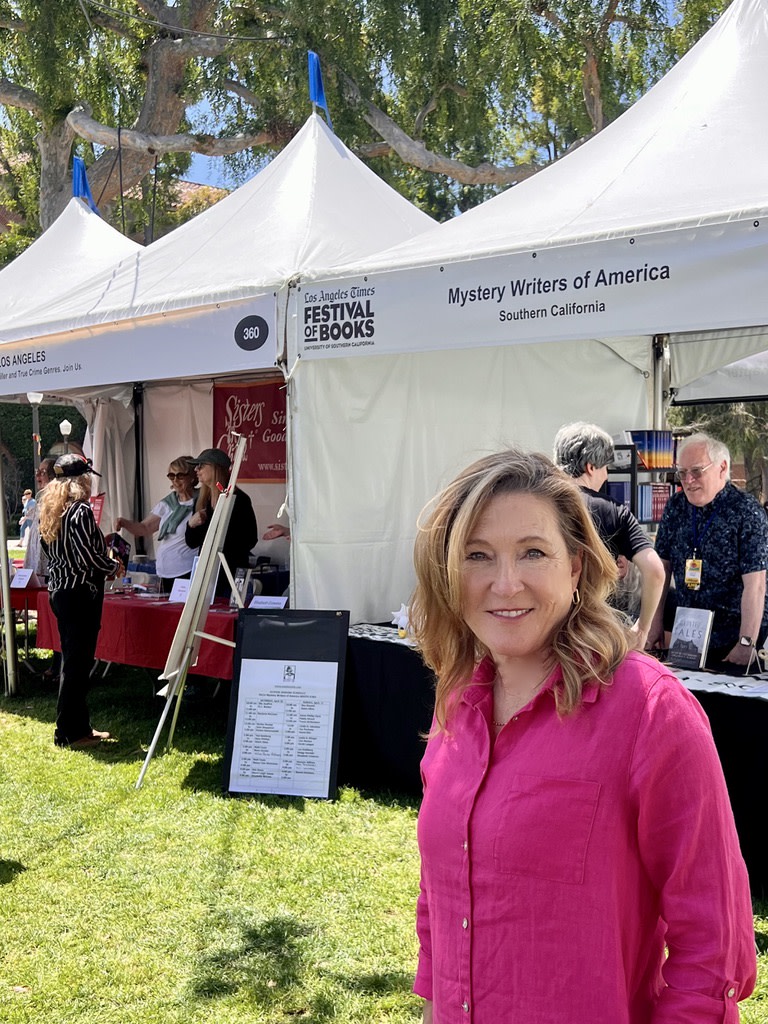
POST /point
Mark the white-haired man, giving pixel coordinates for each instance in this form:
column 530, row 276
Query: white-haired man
column 584, row 451
column 713, row 538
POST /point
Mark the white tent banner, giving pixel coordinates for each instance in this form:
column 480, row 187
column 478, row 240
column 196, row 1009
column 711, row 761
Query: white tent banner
column 226, row 339
column 706, row 277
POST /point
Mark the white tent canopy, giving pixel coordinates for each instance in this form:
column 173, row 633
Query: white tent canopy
column 654, row 226
column 170, row 312
column 78, row 245
column 202, row 300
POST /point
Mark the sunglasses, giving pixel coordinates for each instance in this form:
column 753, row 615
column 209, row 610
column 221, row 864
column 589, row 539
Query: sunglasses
column 177, row 476
column 695, row 474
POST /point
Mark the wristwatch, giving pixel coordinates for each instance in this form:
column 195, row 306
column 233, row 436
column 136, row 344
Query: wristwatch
column 746, row 641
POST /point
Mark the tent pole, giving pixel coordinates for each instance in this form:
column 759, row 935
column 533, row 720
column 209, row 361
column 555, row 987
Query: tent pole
column 138, row 441
column 9, row 619
column 660, row 382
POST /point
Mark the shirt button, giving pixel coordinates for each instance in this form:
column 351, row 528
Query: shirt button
column 465, row 923
column 465, row 1006
column 731, row 993
column 464, row 845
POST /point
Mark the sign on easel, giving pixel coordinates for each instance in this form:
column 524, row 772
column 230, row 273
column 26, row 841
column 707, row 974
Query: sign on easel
column 285, row 707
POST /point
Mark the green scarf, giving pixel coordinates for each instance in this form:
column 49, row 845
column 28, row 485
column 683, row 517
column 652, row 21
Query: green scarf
column 178, row 514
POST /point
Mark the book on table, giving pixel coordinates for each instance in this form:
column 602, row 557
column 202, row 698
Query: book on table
column 690, row 637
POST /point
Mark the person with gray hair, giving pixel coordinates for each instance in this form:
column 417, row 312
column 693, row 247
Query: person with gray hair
column 579, row 445
column 713, row 539
column 584, row 451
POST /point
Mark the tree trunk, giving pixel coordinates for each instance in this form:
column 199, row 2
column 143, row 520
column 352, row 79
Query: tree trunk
column 55, row 147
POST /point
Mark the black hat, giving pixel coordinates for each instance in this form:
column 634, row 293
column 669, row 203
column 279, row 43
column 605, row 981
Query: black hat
column 214, row 457
column 73, row 465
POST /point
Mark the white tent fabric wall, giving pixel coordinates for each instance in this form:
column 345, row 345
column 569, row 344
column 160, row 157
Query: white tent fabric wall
column 696, row 353
column 387, row 432
column 114, row 455
column 177, row 421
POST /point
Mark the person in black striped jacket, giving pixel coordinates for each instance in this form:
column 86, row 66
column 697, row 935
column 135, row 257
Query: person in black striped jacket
column 78, row 564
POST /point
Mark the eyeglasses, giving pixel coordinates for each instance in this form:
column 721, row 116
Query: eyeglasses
column 696, row 473
column 178, row 476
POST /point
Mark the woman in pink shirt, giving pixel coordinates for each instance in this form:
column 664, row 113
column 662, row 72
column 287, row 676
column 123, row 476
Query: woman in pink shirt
column 580, row 863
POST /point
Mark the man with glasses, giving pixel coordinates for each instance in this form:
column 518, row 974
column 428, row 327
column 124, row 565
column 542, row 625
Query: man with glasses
column 713, row 539
column 584, row 451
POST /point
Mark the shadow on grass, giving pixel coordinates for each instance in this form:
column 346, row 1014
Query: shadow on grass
column 206, row 776
column 378, row 984
column 270, row 964
column 266, row 960
column 125, row 703
column 9, row 869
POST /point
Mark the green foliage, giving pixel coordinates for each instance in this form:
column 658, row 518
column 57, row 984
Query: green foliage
column 476, row 81
column 742, row 426
column 17, row 446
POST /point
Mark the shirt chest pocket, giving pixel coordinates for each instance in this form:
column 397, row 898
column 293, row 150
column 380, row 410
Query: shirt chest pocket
column 544, row 827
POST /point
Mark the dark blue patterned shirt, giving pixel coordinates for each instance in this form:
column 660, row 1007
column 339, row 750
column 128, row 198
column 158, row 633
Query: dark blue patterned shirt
column 731, row 538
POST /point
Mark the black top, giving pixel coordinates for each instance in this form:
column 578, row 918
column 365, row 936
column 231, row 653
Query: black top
column 242, row 535
column 619, row 530
column 78, row 554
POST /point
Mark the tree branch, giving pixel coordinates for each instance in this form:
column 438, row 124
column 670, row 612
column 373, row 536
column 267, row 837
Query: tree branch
column 159, row 11
column 158, row 145
column 245, row 94
column 17, row 96
column 14, row 25
column 431, row 105
column 416, row 153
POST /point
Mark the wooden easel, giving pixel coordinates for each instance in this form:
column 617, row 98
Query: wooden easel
column 189, row 632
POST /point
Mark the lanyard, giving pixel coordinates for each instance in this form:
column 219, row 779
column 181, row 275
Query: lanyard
column 698, row 538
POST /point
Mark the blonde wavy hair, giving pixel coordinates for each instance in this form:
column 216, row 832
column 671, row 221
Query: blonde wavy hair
column 55, row 499
column 589, row 644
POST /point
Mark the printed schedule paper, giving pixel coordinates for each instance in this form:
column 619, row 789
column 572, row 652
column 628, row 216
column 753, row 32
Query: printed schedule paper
column 284, row 727
column 284, row 737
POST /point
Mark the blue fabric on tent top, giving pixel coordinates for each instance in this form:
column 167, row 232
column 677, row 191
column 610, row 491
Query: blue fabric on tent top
column 316, row 90
column 80, row 186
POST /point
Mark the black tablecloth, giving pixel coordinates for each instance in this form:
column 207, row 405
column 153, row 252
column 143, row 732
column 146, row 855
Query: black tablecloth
column 740, row 728
column 387, row 705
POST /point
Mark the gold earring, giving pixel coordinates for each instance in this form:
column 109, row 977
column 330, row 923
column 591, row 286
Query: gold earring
column 576, row 596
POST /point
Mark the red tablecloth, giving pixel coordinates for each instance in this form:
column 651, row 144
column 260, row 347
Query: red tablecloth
column 24, row 599
column 139, row 631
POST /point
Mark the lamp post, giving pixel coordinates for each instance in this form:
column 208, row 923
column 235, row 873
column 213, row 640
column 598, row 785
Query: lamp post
column 66, row 429
column 35, row 398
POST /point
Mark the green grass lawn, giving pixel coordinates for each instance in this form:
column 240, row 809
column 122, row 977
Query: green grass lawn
column 175, row 904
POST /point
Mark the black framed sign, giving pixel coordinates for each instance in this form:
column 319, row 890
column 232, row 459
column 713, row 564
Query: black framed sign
column 285, row 708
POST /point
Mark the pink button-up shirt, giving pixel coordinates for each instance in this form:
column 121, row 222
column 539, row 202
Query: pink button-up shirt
column 561, row 860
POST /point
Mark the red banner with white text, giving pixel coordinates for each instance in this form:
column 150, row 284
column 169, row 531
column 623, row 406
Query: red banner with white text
column 256, row 410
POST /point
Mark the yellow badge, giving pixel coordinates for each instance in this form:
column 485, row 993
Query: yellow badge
column 693, row 567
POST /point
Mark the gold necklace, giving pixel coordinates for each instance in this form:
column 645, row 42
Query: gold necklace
column 521, row 701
